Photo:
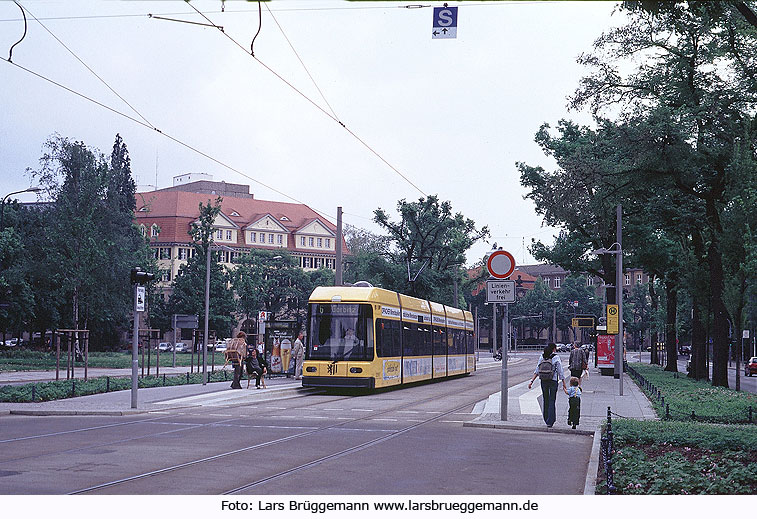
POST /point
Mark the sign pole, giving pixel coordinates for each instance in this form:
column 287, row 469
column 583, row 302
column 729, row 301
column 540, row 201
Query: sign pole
column 505, row 348
column 135, row 352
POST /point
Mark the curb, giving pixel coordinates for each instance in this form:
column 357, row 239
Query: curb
column 533, row 428
column 155, row 407
column 590, row 486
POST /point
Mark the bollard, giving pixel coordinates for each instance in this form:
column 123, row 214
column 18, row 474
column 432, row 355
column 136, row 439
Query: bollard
column 34, row 392
column 164, row 379
column 187, row 377
column 693, row 416
column 73, row 387
column 663, row 401
column 750, row 414
column 667, row 411
column 107, row 384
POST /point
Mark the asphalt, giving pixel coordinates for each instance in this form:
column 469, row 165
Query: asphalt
column 524, row 405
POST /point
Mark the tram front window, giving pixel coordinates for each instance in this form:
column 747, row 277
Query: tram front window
column 340, row 331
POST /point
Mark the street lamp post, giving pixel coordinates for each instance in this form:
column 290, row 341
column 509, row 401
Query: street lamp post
column 33, row 189
column 207, row 308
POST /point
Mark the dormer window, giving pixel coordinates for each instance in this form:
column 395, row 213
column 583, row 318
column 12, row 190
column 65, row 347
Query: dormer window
column 234, row 213
column 144, row 209
column 284, row 219
column 154, row 231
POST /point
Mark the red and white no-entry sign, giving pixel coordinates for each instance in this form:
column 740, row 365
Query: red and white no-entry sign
column 500, row 264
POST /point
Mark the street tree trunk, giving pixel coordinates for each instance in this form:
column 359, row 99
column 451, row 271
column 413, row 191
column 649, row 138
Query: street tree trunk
column 720, row 318
column 671, row 293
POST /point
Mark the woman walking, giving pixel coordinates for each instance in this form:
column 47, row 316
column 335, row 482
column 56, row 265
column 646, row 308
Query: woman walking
column 549, row 370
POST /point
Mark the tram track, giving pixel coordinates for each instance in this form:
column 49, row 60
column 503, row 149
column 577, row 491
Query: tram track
column 157, row 420
column 122, row 483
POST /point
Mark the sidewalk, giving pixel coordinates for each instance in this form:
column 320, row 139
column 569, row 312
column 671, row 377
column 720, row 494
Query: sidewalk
column 118, row 403
column 524, row 411
column 25, row 377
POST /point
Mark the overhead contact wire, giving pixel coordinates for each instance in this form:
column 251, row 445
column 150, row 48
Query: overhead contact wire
column 175, row 139
column 361, row 141
column 90, row 69
column 301, row 62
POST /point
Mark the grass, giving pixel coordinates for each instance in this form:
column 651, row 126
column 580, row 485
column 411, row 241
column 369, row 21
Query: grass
column 684, row 396
column 60, row 389
column 680, row 456
column 29, row 360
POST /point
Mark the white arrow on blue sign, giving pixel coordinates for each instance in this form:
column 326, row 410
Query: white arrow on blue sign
column 445, row 23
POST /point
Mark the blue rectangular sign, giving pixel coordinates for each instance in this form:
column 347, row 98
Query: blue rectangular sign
column 445, row 22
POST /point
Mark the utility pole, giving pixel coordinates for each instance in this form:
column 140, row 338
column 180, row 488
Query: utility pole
column 338, row 273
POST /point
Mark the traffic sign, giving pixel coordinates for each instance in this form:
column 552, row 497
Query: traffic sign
column 445, row 23
column 140, row 298
column 613, row 320
column 500, row 291
column 583, row 322
column 500, row 264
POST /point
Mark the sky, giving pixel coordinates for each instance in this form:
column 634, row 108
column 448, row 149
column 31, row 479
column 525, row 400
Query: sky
column 349, row 104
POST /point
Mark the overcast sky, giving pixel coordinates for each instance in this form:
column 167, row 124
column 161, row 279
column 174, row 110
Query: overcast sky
column 451, row 115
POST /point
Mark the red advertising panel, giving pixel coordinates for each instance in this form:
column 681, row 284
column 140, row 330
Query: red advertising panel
column 605, row 351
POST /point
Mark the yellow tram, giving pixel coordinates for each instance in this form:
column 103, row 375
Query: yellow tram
column 368, row 337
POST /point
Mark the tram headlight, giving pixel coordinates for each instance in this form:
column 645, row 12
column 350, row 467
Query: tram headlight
column 311, row 369
column 356, row 370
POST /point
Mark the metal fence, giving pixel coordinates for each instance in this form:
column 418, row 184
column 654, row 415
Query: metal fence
column 654, row 392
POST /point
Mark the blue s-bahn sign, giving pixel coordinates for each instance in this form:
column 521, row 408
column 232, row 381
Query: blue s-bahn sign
column 445, row 23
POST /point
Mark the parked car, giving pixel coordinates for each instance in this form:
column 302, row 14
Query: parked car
column 220, row 346
column 12, row 343
column 181, row 347
column 561, row 346
column 750, row 368
column 165, row 346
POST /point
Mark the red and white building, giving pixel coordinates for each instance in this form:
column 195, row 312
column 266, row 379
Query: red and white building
column 244, row 223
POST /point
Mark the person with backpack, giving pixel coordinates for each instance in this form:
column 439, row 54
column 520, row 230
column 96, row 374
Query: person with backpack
column 578, row 362
column 549, row 370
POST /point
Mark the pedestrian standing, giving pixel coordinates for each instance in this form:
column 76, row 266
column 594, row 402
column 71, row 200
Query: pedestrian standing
column 235, row 352
column 574, row 401
column 577, row 362
column 299, row 355
column 549, row 370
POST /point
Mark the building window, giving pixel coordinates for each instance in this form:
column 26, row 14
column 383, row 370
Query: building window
column 318, row 262
column 182, row 253
column 228, row 235
column 310, row 242
column 320, row 243
column 155, row 253
column 589, row 281
column 262, row 237
column 309, row 262
column 280, row 239
column 165, row 253
column 270, row 238
column 302, row 241
column 253, row 237
column 166, row 276
column 638, row 278
column 628, row 279
column 328, row 243
column 557, row 282
column 192, row 252
column 154, row 231
column 143, row 230
column 219, row 234
column 546, row 281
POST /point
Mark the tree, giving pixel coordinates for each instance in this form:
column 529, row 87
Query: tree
column 92, row 242
column 188, row 295
column 270, row 280
column 699, row 67
column 429, row 241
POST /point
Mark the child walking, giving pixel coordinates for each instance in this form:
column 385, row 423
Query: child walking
column 574, row 402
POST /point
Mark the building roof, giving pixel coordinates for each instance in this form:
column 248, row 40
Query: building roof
column 174, row 210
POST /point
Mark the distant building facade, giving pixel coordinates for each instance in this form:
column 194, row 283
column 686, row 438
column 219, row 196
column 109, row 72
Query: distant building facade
column 244, row 223
column 525, row 277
